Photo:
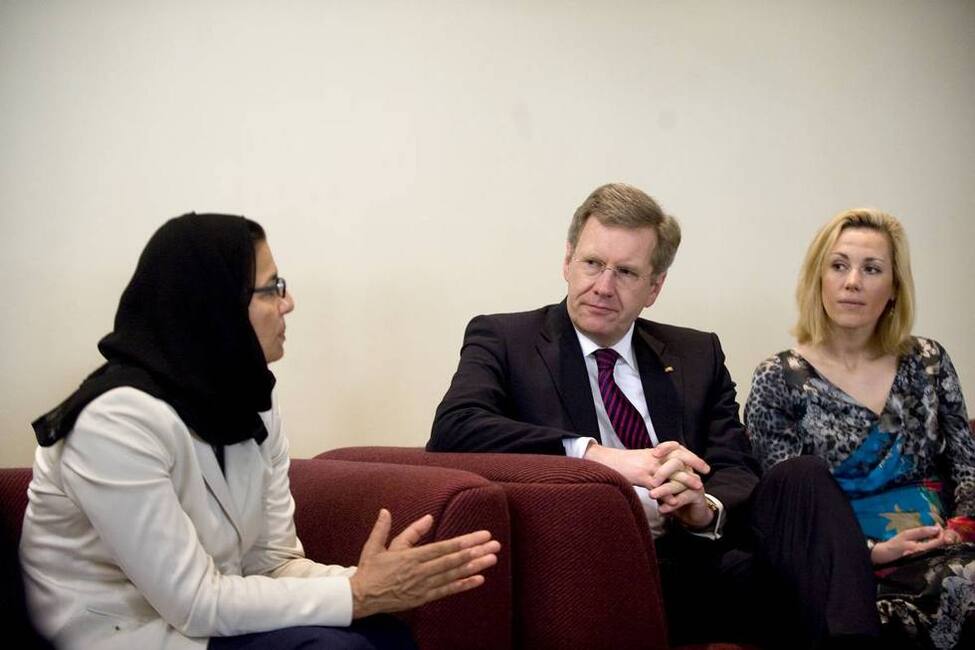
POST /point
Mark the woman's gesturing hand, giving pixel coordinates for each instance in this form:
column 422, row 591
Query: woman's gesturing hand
column 404, row 575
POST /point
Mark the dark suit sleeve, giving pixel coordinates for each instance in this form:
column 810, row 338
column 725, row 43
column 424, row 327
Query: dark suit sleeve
column 479, row 411
column 734, row 471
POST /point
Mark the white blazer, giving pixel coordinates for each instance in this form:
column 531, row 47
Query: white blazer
column 134, row 538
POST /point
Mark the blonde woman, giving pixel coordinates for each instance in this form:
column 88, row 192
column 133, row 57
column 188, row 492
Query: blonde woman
column 884, row 409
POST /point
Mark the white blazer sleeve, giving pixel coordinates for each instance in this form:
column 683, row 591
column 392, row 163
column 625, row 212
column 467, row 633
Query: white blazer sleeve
column 130, row 466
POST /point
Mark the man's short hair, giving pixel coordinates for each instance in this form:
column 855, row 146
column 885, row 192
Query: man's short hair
column 618, row 204
column 893, row 332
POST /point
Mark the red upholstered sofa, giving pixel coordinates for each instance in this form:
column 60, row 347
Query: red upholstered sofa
column 576, row 571
column 584, row 568
column 336, row 506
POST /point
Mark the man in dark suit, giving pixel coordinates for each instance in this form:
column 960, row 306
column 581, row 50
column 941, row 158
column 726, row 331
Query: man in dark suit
column 590, row 379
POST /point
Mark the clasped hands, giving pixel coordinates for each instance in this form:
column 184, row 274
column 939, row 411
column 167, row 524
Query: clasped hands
column 403, row 575
column 671, row 473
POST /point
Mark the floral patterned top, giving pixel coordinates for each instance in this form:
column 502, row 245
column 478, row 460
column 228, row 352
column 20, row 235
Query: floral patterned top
column 792, row 410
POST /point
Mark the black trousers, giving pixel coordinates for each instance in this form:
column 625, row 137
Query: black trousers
column 798, row 575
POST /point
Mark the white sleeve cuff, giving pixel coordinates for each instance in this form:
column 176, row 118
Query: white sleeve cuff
column 717, row 528
column 577, row 447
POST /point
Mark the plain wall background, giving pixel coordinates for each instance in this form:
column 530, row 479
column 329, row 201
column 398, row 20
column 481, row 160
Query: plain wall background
column 417, row 163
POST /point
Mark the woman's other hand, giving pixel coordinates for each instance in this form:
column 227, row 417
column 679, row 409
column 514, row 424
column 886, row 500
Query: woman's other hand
column 909, row 542
column 404, row 575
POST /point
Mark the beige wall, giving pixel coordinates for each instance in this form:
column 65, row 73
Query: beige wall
column 417, row 163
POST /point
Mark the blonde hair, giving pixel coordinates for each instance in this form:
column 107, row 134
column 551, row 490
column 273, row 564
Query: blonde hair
column 893, row 332
column 619, row 204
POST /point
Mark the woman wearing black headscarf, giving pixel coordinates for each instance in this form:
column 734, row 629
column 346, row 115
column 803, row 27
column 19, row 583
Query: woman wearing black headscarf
column 160, row 512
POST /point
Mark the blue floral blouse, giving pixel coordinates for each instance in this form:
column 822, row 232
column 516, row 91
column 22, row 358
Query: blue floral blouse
column 792, row 410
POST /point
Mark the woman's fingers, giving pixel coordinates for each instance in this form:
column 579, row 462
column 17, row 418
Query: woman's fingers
column 438, row 549
column 397, row 579
column 450, row 574
column 412, row 534
column 437, row 578
column 920, row 547
column 478, row 558
column 376, row 542
column 456, row 587
column 919, row 533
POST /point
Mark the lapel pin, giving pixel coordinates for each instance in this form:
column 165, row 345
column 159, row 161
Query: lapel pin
column 669, row 369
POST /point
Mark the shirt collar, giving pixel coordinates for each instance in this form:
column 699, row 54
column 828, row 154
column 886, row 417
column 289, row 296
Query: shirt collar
column 623, row 347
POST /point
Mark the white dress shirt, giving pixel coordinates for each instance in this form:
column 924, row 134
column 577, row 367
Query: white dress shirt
column 626, row 373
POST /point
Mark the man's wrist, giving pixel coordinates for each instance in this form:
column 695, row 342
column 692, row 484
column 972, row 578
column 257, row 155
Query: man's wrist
column 592, row 449
column 590, row 443
column 712, row 510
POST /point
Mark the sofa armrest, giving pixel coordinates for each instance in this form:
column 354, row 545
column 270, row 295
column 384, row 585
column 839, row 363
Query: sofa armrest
column 13, row 502
column 583, row 559
column 336, row 504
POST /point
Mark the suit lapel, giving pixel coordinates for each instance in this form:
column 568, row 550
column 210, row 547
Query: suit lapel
column 245, row 476
column 559, row 348
column 663, row 382
column 216, row 482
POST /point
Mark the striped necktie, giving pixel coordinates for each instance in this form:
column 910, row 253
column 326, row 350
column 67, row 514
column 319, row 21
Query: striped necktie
column 626, row 420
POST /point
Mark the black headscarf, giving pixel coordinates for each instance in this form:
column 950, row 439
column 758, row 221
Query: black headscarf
column 182, row 334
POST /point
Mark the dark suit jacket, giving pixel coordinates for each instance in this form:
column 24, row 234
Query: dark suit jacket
column 522, row 386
